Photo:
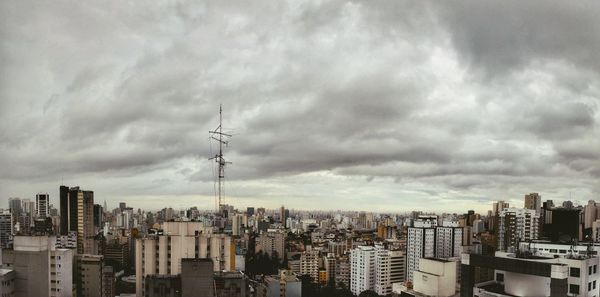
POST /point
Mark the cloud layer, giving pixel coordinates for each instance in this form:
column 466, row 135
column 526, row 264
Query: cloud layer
column 332, row 104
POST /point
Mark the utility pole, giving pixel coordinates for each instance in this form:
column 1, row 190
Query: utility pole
column 218, row 135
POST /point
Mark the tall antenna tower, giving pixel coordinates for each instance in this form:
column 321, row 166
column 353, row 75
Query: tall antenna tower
column 218, row 135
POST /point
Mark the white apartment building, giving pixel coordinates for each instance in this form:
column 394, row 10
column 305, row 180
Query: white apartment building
column 517, row 225
column 362, row 269
column 162, row 254
column 421, row 243
column 448, row 240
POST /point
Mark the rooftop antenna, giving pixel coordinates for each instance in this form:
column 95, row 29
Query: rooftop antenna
column 218, row 135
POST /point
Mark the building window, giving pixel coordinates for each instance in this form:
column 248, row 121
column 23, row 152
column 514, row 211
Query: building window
column 500, row 277
column 574, row 272
column 574, row 289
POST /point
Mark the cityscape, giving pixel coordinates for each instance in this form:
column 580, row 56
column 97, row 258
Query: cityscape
column 319, row 148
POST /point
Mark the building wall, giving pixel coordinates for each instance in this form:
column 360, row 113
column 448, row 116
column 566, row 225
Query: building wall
column 362, row 269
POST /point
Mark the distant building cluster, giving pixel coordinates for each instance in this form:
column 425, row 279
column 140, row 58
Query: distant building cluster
column 85, row 249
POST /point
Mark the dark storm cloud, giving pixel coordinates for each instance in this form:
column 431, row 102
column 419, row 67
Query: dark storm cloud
column 503, row 36
column 456, row 100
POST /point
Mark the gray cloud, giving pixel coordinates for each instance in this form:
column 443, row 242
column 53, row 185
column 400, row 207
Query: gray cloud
column 398, row 101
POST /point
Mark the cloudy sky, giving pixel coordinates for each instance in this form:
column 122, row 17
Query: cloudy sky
column 387, row 105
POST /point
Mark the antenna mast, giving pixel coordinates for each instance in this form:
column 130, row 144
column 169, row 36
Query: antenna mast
column 218, row 135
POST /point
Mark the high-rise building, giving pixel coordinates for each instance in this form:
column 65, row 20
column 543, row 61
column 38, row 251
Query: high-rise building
column 250, row 211
column 309, row 264
column 342, row 272
column 162, row 254
column 448, row 239
column 94, row 279
column 42, row 203
column 77, row 214
column 271, row 243
column 589, row 214
column 5, row 228
column 517, row 225
column 330, row 263
column 362, row 269
column 40, row 268
column 15, row 205
column 389, row 269
column 285, row 284
column 533, row 201
column 421, row 242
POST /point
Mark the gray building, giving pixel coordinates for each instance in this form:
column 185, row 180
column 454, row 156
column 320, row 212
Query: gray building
column 197, row 277
column 94, row 279
column 5, row 229
column 40, row 268
column 162, row 286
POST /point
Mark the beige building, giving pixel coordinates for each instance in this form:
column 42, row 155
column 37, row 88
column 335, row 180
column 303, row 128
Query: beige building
column 162, row 254
column 40, row 268
column 272, row 241
column 309, row 264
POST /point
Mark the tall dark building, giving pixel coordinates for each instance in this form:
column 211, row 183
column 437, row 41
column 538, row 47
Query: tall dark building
column 250, row 211
column 564, row 225
column 77, row 215
column 98, row 215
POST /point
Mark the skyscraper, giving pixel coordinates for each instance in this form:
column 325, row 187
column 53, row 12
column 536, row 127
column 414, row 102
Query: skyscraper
column 533, row 201
column 41, row 205
column 77, row 215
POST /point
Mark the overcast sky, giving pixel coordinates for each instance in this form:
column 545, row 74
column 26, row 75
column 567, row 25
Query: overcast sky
column 382, row 106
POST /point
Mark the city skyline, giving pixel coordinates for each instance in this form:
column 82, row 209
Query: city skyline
column 397, row 106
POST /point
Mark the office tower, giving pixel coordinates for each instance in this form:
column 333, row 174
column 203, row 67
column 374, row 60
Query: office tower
column 478, row 226
column 448, row 239
column 250, row 211
column 42, row 202
column 122, row 206
column 197, row 278
column 567, row 204
column 7, row 282
column 5, row 228
column 309, row 264
column 533, row 201
column 389, row 269
column 271, row 243
column 94, row 279
column 362, row 269
column 162, row 253
column 421, row 242
column 589, row 214
column 517, row 225
column 40, row 268
column 231, row 284
column 77, row 214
